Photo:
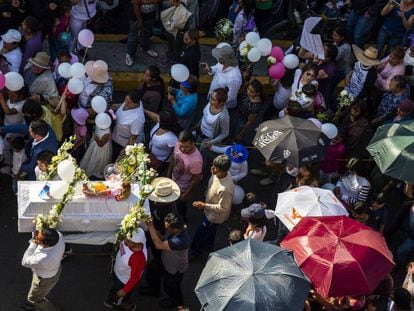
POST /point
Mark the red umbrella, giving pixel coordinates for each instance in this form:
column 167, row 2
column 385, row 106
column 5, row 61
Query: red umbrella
column 339, row 255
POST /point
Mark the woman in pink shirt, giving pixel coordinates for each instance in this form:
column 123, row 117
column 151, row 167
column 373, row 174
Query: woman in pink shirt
column 390, row 66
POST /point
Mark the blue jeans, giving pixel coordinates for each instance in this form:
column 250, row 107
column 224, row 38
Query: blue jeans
column 133, row 36
column 386, row 37
column 204, row 237
column 359, row 28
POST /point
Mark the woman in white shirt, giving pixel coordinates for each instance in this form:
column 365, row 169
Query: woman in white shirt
column 304, row 76
column 256, row 216
column 82, row 11
column 129, row 126
column 214, row 126
column 162, row 138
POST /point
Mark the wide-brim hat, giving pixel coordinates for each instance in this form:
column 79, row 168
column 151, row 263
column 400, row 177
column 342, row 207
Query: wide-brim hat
column 237, row 153
column 227, row 53
column 368, row 57
column 97, row 71
column 41, row 59
column 165, row 190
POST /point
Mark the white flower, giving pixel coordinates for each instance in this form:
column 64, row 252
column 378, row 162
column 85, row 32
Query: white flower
column 128, row 149
column 132, row 160
column 271, row 60
column 244, row 51
column 147, row 189
column 343, row 93
column 53, row 213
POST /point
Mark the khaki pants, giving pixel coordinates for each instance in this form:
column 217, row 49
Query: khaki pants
column 39, row 289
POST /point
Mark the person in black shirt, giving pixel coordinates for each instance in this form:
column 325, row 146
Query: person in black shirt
column 191, row 54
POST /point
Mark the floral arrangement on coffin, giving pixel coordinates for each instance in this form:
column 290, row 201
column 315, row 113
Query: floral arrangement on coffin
column 344, row 100
column 133, row 166
column 224, row 30
column 65, row 166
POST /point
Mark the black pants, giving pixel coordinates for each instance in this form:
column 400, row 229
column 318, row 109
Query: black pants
column 116, row 150
column 116, row 286
column 171, row 282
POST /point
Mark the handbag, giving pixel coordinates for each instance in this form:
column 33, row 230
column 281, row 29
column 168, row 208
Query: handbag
column 174, row 18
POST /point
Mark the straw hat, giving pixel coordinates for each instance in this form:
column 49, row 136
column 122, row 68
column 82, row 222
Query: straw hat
column 367, row 57
column 97, row 71
column 41, row 60
column 79, row 115
column 165, row 190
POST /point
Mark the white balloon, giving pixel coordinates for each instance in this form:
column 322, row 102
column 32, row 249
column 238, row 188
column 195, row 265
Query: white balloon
column 252, row 38
column 243, row 45
column 64, row 70
column 14, row 81
column 58, row 189
column 316, row 122
column 66, row 170
column 329, row 130
column 254, row 55
column 75, row 86
column 290, row 61
column 98, row 104
column 222, row 44
column 103, row 121
column 180, row 72
column 238, row 195
column 264, row 46
column 77, row 70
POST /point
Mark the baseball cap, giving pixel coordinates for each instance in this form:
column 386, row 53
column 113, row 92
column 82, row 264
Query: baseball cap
column 12, row 35
column 256, row 210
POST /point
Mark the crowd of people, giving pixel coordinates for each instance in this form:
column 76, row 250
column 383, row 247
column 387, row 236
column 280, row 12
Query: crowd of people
column 184, row 149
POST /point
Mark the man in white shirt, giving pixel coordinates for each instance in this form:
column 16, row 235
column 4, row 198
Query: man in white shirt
column 43, row 256
column 10, row 50
column 226, row 74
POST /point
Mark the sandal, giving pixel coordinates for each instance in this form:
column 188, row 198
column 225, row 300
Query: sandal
column 129, row 60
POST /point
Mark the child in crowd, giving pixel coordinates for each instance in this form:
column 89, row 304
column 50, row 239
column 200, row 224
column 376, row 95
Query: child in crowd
column 61, row 26
column 238, row 155
column 79, row 117
column 13, row 115
column 19, row 156
column 57, row 107
column 43, row 160
column 256, row 216
column 100, row 148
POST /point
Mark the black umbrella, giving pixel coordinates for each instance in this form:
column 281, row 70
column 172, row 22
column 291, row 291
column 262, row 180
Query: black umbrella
column 294, row 140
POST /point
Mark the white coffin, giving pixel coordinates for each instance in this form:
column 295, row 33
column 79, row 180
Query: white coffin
column 85, row 214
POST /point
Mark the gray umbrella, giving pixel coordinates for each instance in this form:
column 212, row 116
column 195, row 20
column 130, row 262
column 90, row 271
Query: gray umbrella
column 252, row 275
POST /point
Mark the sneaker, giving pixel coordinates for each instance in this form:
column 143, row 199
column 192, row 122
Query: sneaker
column 268, row 181
column 127, row 306
column 6, row 170
column 109, row 305
column 129, row 60
column 258, row 172
column 166, row 303
column 66, row 254
column 151, row 53
column 28, row 306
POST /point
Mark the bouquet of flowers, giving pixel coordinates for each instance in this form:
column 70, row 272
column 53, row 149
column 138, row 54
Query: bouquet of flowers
column 244, row 50
column 271, row 61
column 53, row 218
column 224, row 30
column 344, row 100
column 133, row 167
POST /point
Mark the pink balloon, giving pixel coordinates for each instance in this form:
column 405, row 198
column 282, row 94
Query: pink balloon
column 277, row 53
column 86, row 38
column 2, row 81
column 277, row 71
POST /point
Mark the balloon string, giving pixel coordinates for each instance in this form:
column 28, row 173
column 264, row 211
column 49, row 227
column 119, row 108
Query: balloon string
column 84, row 55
